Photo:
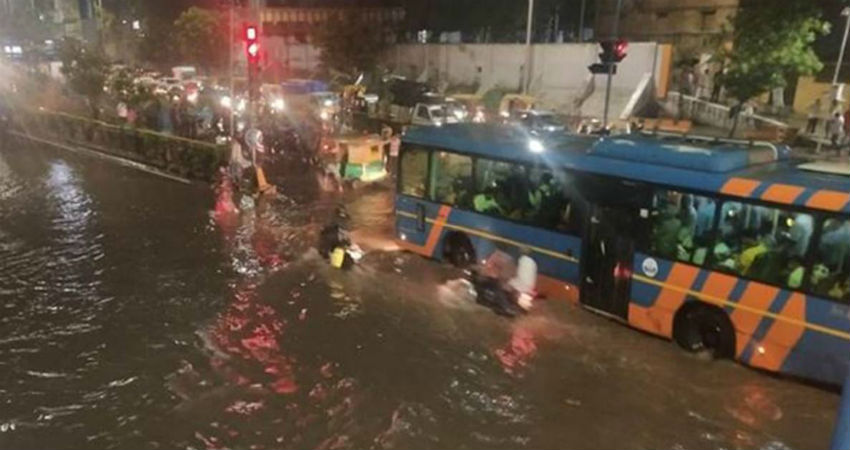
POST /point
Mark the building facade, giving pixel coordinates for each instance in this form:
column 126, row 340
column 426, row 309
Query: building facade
column 290, row 26
column 55, row 19
column 688, row 24
column 297, row 21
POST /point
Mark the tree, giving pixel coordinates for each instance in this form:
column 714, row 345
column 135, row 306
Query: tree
column 351, row 44
column 124, row 89
column 771, row 46
column 85, row 70
column 156, row 46
column 201, row 38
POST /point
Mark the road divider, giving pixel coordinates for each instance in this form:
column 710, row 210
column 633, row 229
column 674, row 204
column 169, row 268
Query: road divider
column 180, row 157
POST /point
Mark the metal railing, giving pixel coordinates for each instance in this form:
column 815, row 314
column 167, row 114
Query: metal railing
column 714, row 114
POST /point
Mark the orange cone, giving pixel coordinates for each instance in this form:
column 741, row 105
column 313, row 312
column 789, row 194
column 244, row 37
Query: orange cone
column 263, row 185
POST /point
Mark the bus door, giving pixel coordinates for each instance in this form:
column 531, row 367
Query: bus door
column 612, row 231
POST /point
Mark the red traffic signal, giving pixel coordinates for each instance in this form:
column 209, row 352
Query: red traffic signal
column 620, row 48
column 252, row 44
column 613, row 51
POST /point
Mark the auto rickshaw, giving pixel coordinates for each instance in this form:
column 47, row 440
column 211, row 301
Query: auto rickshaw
column 361, row 158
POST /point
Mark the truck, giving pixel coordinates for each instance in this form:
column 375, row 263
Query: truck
column 407, row 102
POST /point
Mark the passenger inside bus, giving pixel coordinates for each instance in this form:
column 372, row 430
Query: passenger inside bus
column 764, row 243
column 414, row 171
column 796, row 273
column 452, row 179
column 676, row 229
column 831, row 272
column 485, row 202
column 754, row 246
column 706, row 208
column 801, row 232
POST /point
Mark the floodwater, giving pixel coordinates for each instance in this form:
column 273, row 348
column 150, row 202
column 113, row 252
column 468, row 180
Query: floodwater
column 134, row 316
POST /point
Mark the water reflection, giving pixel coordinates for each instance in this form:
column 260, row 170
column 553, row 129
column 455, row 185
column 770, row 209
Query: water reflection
column 137, row 313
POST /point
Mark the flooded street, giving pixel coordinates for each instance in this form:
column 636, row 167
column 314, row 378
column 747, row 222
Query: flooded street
column 134, row 317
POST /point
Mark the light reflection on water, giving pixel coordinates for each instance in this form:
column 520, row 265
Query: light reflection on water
column 135, row 313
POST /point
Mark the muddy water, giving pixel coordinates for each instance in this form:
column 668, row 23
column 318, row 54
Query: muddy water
column 132, row 315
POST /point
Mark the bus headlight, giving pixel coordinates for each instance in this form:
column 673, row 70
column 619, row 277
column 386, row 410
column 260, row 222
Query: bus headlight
column 535, row 146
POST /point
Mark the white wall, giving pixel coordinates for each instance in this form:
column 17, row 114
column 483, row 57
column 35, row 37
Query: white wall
column 298, row 57
column 559, row 71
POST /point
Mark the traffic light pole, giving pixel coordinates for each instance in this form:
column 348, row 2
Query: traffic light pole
column 611, row 65
column 526, row 82
column 230, row 64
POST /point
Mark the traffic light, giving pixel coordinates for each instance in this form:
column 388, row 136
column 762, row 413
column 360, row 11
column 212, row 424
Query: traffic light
column 252, row 45
column 252, row 54
column 613, row 51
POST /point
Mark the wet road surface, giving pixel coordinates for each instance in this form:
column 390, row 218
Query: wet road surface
column 131, row 315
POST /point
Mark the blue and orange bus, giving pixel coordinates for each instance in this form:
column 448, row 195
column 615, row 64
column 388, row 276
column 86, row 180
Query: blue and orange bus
column 724, row 246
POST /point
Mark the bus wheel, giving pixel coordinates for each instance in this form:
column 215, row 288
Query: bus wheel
column 459, row 250
column 700, row 327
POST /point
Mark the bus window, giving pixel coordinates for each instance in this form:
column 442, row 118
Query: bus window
column 414, row 171
column 501, row 188
column 831, row 270
column 682, row 226
column 764, row 243
column 452, row 179
column 549, row 204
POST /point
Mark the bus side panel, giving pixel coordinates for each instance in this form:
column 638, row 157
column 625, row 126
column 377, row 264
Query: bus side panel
column 645, row 311
column 817, row 354
column 408, row 232
column 788, row 344
column 557, row 255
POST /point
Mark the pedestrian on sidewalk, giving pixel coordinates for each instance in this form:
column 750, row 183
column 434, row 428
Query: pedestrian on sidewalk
column 703, row 89
column 812, row 117
column 836, row 131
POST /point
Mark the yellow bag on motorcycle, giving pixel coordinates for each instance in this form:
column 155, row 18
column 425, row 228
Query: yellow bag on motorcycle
column 338, row 257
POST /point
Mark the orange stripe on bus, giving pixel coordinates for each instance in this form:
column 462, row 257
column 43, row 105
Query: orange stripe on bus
column 412, row 247
column 642, row 318
column 741, row 187
column 782, row 336
column 719, row 285
column 555, row 289
column 828, row 200
column 437, row 230
column 782, row 193
column 669, row 300
column 756, row 296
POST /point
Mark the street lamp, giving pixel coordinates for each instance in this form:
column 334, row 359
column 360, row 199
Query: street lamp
column 844, row 13
column 836, row 90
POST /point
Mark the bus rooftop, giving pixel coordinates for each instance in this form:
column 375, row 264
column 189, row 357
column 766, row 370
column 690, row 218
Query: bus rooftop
column 754, row 170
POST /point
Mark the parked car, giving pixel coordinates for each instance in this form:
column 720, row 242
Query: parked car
column 539, row 122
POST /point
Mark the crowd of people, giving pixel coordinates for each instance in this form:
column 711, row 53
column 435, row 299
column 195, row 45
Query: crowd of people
column 757, row 242
column 506, row 190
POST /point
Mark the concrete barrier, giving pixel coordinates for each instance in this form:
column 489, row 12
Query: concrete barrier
column 171, row 154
